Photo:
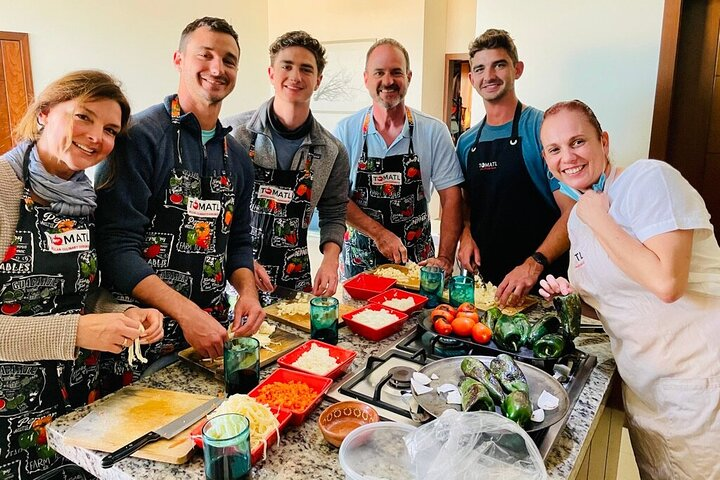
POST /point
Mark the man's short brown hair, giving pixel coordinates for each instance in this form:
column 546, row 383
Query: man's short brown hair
column 494, row 38
column 215, row 24
column 299, row 38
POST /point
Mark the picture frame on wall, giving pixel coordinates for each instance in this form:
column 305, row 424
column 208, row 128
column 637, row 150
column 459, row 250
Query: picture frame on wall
column 342, row 90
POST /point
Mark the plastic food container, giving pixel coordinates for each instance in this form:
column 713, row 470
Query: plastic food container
column 419, row 300
column 371, row 333
column 256, row 454
column 339, row 419
column 364, row 285
column 320, row 385
column 342, row 356
column 376, row 450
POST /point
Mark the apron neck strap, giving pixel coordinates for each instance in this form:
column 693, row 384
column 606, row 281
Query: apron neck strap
column 515, row 125
column 175, row 112
column 366, row 127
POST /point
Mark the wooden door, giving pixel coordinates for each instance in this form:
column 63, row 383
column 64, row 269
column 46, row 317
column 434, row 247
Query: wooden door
column 457, row 97
column 686, row 120
column 16, row 90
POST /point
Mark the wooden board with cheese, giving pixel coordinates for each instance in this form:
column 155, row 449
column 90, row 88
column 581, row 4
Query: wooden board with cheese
column 281, row 342
column 293, row 308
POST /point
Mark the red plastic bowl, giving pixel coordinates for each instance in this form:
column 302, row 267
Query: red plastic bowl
column 371, row 333
column 343, row 357
column 319, row 385
column 364, row 285
column 420, row 300
column 256, row 454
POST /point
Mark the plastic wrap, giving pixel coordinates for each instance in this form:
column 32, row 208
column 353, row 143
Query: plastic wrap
column 473, row 445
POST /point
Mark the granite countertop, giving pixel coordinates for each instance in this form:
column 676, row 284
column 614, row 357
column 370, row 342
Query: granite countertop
column 303, row 452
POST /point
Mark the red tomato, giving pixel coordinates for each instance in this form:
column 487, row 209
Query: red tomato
column 443, row 315
column 462, row 326
column 481, row 333
column 471, row 315
column 467, row 307
column 446, row 307
column 442, row 327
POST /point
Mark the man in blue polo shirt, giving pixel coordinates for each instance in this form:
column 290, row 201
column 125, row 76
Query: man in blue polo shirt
column 515, row 217
column 398, row 155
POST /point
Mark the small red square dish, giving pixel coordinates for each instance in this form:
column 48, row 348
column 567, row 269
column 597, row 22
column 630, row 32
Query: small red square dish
column 343, row 358
column 307, row 391
column 419, row 301
column 370, row 332
column 256, row 453
column 363, row 285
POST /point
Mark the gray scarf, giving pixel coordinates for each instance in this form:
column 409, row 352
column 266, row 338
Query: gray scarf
column 75, row 196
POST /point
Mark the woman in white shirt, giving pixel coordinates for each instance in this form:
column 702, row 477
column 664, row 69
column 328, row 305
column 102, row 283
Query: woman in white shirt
column 644, row 255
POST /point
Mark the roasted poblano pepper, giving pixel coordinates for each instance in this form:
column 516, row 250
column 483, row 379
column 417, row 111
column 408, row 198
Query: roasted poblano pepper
column 569, row 310
column 475, row 396
column 511, row 333
column 491, row 316
column 549, row 346
column 517, row 407
column 547, row 324
column 504, row 368
column 474, row 368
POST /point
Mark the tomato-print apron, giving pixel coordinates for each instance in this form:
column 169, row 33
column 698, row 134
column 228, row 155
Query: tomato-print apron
column 669, row 363
column 509, row 217
column 280, row 218
column 390, row 191
column 186, row 245
column 47, row 270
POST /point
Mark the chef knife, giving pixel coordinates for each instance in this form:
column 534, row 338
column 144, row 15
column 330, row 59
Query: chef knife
column 167, row 431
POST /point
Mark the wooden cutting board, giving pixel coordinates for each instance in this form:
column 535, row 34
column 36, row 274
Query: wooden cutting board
column 283, row 342
column 131, row 412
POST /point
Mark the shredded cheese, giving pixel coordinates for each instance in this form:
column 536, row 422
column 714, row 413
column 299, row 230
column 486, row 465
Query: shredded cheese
column 375, row 318
column 300, row 305
column 484, row 292
column 262, row 336
column 262, row 421
column 316, row 360
column 134, row 351
column 389, row 271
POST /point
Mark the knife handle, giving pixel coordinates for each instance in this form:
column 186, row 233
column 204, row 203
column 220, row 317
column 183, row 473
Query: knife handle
column 129, row 449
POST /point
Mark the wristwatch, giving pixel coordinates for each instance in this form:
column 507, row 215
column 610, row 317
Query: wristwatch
column 541, row 259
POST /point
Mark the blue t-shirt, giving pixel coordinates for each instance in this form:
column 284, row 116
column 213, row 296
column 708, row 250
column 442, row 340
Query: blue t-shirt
column 432, row 143
column 529, row 131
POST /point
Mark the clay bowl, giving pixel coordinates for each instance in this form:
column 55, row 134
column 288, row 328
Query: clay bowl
column 341, row 418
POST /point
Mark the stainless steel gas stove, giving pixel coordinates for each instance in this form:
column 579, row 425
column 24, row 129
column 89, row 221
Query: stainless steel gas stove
column 384, row 382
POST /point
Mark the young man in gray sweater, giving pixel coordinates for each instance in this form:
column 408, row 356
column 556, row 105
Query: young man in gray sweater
column 298, row 166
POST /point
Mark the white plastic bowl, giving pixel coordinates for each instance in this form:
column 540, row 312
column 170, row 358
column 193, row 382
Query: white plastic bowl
column 376, row 450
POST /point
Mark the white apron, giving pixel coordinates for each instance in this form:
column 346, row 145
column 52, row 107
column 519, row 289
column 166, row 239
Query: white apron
column 668, row 356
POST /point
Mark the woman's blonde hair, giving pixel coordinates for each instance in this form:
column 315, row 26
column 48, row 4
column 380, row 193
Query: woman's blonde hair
column 82, row 86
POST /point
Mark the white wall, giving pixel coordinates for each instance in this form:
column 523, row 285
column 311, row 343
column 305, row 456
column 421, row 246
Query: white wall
column 460, row 25
column 135, row 40
column 603, row 53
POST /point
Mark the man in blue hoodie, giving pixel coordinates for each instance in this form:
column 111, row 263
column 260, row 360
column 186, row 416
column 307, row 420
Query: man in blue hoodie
column 174, row 222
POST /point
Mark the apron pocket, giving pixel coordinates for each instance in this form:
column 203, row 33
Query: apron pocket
column 690, row 422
